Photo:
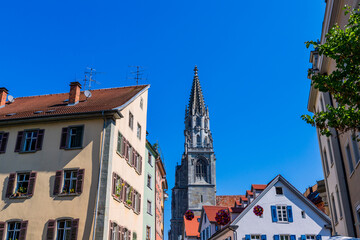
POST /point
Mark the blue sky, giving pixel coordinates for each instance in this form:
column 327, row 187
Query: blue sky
column 252, row 66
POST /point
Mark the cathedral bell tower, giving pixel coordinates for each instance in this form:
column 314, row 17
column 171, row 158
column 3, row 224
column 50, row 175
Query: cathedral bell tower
column 195, row 179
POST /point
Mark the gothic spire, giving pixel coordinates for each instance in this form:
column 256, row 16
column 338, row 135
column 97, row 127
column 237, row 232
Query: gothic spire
column 196, row 103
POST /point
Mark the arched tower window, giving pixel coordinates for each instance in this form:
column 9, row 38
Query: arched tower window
column 198, row 121
column 198, row 140
column 201, row 170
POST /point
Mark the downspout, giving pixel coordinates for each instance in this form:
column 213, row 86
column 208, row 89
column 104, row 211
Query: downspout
column 100, row 168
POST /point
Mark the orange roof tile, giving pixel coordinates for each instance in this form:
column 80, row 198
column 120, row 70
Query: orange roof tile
column 243, row 198
column 227, row 200
column 249, row 192
column 212, row 210
column 191, row 226
column 258, row 186
column 55, row 104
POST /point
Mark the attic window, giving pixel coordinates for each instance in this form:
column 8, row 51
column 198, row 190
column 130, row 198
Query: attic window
column 37, row 112
column 10, row 114
column 50, row 111
column 66, row 100
column 279, row 190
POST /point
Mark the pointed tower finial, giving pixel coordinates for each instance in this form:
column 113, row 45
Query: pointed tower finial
column 195, row 70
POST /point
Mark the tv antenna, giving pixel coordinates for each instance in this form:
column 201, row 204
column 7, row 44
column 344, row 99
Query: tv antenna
column 89, row 77
column 138, row 73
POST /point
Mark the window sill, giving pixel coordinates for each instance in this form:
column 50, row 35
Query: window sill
column 357, row 164
column 121, row 155
column 24, row 152
column 68, row 194
column 73, row 148
column 117, row 199
column 25, row 196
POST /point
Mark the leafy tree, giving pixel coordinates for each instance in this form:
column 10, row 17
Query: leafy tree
column 343, row 84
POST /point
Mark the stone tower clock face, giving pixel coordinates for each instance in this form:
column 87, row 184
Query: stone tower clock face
column 195, row 181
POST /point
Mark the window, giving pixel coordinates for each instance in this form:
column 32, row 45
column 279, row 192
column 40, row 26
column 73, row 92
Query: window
column 282, row 214
column 21, row 184
column 201, row 198
column 141, row 103
column 148, row 233
column 131, row 120
column 138, row 134
column 303, row 215
column 120, row 144
column 129, row 153
column 115, row 231
column 63, row 230
column 69, row 182
column 149, row 159
column 70, row 178
column 148, row 207
column 29, row 140
column 3, row 141
column 284, row 237
column 334, row 208
column 13, row 231
column 326, row 162
column 118, row 187
column 198, row 140
column 338, row 199
column 310, row 237
column 330, row 152
column 149, row 181
column 355, row 149
column 349, row 158
column 279, row 190
column 198, row 121
column 358, row 215
column 255, row 237
column 71, row 137
column 201, row 171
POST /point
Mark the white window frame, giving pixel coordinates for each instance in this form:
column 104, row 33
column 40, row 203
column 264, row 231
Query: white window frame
column 71, row 179
column 280, row 210
column 15, row 232
column 29, row 136
column 23, row 180
column 284, row 237
column 255, row 237
column 149, row 180
column 64, row 229
column 138, row 132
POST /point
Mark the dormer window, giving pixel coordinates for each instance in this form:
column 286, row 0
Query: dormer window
column 141, row 103
column 198, row 122
column 279, row 190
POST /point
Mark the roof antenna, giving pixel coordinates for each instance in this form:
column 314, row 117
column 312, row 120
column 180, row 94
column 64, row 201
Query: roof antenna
column 89, row 77
column 138, row 74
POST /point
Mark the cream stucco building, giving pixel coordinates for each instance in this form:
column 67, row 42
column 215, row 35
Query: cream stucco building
column 71, row 166
column 340, row 154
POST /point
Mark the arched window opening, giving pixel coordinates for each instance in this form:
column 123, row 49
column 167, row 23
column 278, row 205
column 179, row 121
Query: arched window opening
column 201, row 170
column 198, row 121
column 198, row 140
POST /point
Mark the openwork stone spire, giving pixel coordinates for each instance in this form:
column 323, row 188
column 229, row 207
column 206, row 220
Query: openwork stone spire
column 196, row 103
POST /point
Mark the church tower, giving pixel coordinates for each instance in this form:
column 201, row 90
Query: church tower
column 195, row 178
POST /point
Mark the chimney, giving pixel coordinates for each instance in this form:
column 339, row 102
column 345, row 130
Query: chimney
column 74, row 94
column 3, row 95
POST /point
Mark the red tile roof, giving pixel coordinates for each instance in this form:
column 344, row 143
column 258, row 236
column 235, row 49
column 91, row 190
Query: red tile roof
column 191, row 226
column 212, row 210
column 258, row 186
column 55, row 104
column 227, row 200
column 249, row 192
column 243, row 198
column 238, row 203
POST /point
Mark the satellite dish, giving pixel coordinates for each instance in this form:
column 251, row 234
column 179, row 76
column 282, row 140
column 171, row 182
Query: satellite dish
column 11, row 98
column 87, row 94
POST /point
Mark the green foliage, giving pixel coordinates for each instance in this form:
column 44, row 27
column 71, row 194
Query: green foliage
column 343, row 84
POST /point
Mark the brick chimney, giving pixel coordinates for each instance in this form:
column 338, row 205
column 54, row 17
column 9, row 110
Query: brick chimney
column 3, row 95
column 74, row 94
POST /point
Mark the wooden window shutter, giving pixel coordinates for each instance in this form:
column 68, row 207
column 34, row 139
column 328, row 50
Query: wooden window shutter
column 303, row 237
column 132, row 198
column 292, row 237
column 19, row 141
column 263, row 237
column 10, row 185
column 133, row 157
column 276, row 237
column 23, row 228
column 50, row 233
column 64, row 134
column 124, row 197
column 2, row 230
column 139, row 203
column 123, row 146
column 129, row 235
column 318, row 237
column 140, row 164
column 121, row 191
column 3, row 143
column 119, row 235
column 136, row 161
column 126, row 151
column 114, row 184
column 273, row 213
column 247, row 237
column 57, row 183
column 289, row 212
column 74, row 229
column 39, row 139
column 80, row 181
column 32, row 181
column 111, row 228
